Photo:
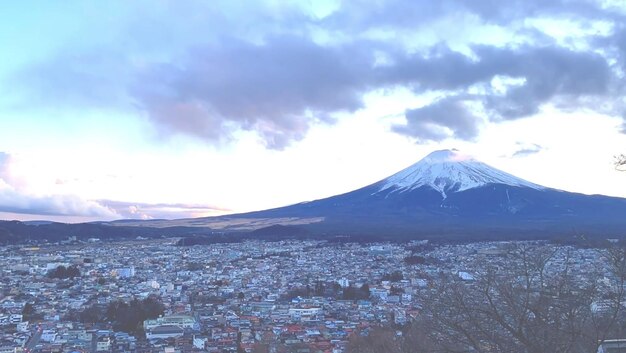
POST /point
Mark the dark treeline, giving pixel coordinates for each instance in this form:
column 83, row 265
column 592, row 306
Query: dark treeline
column 348, row 231
column 350, row 235
column 127, row 317
column 415, row 260
column 330, row 290
column 30, row 314
column 395, row 276
column 15, row 232
column 63, row 272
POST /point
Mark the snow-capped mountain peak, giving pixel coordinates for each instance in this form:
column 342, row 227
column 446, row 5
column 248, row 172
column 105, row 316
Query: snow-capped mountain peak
column 451, row 171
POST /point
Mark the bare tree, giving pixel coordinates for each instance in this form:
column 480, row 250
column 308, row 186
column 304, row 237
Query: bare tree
column 620, row 162
column 260, row 348
column 532, row 302
column 378, row 341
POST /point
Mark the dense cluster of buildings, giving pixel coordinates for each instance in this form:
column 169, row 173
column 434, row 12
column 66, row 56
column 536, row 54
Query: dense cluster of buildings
column 243, row 297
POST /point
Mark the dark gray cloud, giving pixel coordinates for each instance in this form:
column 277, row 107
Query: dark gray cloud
column 277, row 89
column 447, row 117
column 280, row 79
column 548, row 73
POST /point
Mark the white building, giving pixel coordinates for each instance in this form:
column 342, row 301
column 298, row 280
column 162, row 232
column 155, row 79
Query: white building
column 199, row 342
column 163, row 332
column 48, row 335
column 603, row 306
column 153, row 284
column 182, row 321
column 613, row 346
column 399, row 316
column 380, row 293
column 466, row 276
column 9, row 349
column 343, row 283
column 299, row 314
column 103, row 344
column 126, row 272
column 22, row 326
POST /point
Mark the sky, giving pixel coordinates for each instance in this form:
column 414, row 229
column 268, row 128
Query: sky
column 171, row 109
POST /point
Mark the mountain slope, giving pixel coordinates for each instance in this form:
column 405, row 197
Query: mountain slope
column 446, row 192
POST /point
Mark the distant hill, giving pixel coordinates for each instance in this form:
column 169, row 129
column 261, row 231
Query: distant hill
column 12, row 232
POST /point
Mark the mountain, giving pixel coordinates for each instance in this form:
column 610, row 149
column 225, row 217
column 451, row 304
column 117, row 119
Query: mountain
column 448, row 171
column 444, row 194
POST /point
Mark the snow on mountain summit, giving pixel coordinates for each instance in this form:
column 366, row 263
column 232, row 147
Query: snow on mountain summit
column 451, row 171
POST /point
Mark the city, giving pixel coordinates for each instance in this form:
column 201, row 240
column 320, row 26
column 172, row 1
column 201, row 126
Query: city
column 287, row 296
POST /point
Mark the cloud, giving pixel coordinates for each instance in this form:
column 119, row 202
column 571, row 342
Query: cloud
column 139, row 210
column 446, row 118
column 556, row 75
column 278, row 88
column 412, row 14
column 527, row 150
column 13, row 200
column 77, row 79
column 294, row 71
column 4, row 164
column 549, row 73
